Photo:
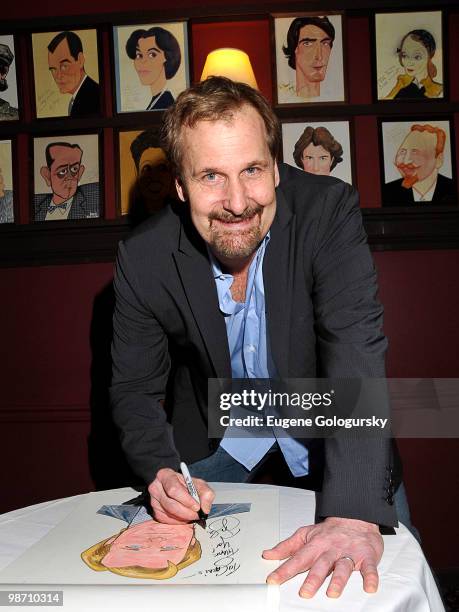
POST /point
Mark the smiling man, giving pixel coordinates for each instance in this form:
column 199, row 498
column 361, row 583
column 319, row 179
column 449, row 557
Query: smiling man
column 261, row 271
column 418, row 160
column 309, row 45
column 66, row 63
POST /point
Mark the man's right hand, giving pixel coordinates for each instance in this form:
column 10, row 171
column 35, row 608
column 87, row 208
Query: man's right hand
column 171, row 501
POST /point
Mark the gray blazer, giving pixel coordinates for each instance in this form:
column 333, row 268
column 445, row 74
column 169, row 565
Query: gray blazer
column 85, row 204
column 323, row 319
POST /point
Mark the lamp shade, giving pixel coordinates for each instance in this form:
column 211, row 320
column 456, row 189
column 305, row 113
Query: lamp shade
column 231, row 63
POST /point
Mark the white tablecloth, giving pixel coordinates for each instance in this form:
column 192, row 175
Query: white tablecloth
column 406, row 582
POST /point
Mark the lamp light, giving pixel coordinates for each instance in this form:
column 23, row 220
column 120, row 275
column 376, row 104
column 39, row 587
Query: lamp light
column 231, row 63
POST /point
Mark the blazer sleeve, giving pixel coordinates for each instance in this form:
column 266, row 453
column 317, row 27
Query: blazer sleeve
column 141, row 367
column 350, row 344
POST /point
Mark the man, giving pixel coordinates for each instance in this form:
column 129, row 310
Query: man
column 7, row 112
column 66, row 63
column 316, row 151
column 62, row 174
column 419, row 159
column 154, row 183
column 259, row 271
column 309, row 44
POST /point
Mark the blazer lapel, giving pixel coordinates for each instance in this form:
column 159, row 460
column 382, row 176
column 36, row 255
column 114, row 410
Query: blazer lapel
column 278, row 267
column 196, row 275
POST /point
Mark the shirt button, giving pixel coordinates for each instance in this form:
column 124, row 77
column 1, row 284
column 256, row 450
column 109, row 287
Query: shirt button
column 251, row 348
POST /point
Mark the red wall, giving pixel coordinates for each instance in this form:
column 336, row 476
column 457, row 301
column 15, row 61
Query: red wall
column 56, row 433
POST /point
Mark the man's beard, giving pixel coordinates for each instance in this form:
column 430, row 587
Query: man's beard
column 408, row 179
column 231, row 243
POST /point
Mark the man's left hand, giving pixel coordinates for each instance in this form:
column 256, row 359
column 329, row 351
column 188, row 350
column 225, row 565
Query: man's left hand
column 337, row 546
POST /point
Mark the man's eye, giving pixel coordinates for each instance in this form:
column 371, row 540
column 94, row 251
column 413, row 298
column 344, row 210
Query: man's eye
column 252, row 171
column 61, row 173
column 74, row 169
column 210, row 177
column 306, row 43
column 326, row 43
column 152, row 55
column 323, row 158
column 418, row 58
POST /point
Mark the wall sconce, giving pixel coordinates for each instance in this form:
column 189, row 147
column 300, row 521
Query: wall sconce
column 231, row 63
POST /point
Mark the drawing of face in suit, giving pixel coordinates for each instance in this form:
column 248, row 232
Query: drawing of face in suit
column 63, row 170
column 156, row 56
column 316, row 151
column 66, row 61
column 6, row 59
column 420, row 155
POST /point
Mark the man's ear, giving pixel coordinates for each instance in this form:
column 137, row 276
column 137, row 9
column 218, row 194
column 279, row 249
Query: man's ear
column 439, row 161
column 276, row 174
column 46, row 175
column 181, row 191
column 80, row 59
column 80, row 173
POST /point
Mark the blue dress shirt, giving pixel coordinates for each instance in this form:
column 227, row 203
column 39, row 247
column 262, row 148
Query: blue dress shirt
column 247, row 341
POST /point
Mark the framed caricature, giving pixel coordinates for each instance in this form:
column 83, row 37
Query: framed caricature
column 66, row 73
column 319, row 148
column 145, row 178
column 6, row 182
column 309, row 59
column 417, row 167
column 66, row 177
column 8, row 79
column 409, row 56
column 151, row 65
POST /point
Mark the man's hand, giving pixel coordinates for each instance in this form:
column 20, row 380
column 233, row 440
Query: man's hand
column 171, row 501
column 337, row 545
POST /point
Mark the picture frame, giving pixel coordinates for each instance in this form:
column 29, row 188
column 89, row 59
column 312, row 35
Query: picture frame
column 7, row 182
column 9, row 95
column 66, row 73
column 312, row 71
column 145, row 181
column 151, row 65
column 409, row 56
column 66, row 177
column 418, row 163
column 320, row 147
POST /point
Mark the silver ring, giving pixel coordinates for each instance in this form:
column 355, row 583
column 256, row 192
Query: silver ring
column 349, row 559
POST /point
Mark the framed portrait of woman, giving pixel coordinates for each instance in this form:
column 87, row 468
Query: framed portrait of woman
column 409, row 56
column 309, row 58
column 151, row 65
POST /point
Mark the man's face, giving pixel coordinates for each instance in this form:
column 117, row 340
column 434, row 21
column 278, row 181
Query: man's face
column 149, row 60
column 312, row 53
column 65, row 172
column 316, row 159
column 229, row 178
column 154, row 177
column 415, row 159
column 66, row 70
column 149, row 544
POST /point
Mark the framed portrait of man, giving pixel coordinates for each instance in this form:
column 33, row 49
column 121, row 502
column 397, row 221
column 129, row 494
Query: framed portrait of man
column 322, row 147
column 409, row 56
column 6, row 182
column 146, row 183
column 417, row 166
column 151, row 65
column 66, row 73
column 9, row 106
column 67, row 177
column 309, row 58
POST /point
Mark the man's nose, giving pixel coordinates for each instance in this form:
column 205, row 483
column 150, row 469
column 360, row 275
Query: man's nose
column 315, row 164
column 235, row 201
column 318, row 51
